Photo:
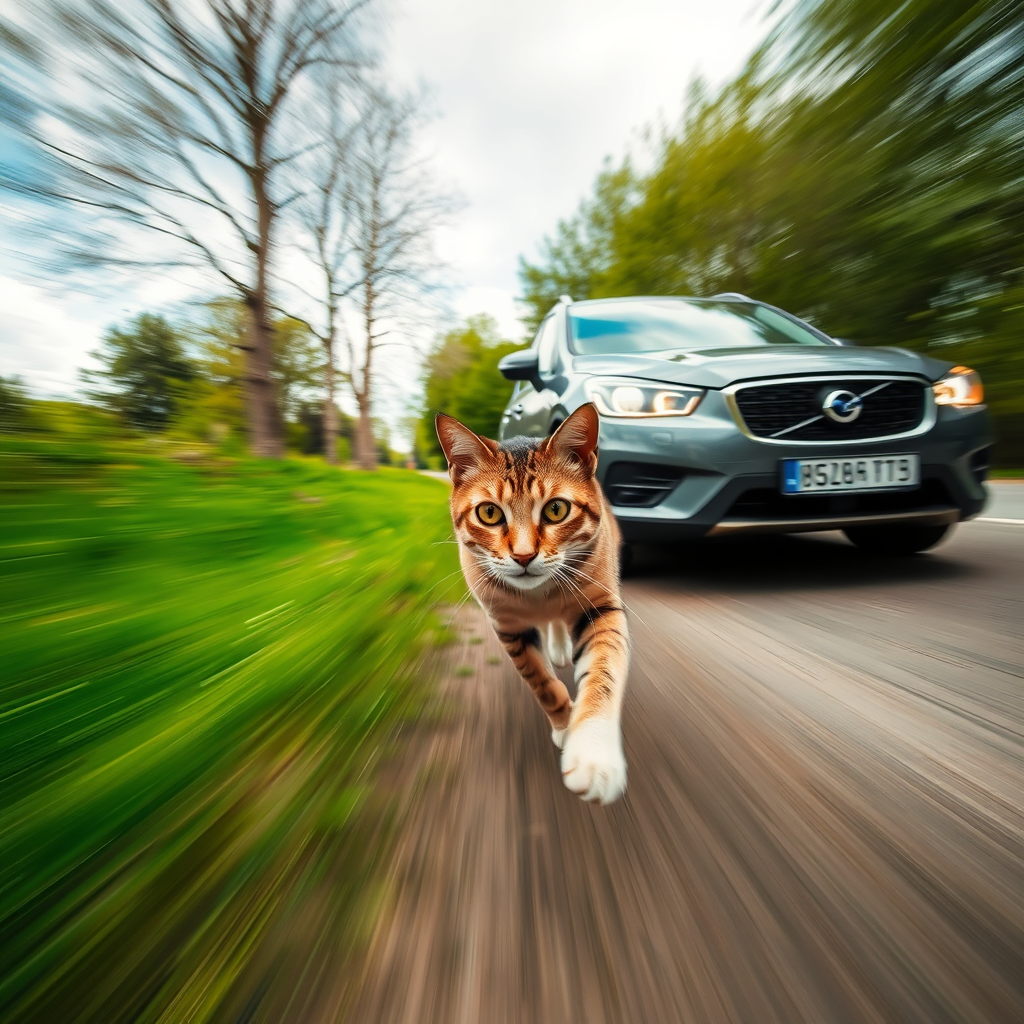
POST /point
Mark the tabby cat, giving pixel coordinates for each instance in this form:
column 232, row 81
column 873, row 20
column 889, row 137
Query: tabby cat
column 539, row 548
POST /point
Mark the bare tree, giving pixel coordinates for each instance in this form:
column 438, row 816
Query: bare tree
column 392, row 210
column 322, row 217
column 172, row 117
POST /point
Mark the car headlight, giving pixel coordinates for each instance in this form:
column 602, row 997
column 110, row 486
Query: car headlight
column 620, row 396
column 961, row 386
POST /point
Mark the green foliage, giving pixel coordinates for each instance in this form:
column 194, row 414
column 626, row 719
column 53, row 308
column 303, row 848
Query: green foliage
column 299, row 366
column 145, row 372
column 16, row 408
column 344, row 450
column 574, row 261
column 462, row 379
column 212, row 409
column 866, row 171
column 201, row 663
column 308, row 431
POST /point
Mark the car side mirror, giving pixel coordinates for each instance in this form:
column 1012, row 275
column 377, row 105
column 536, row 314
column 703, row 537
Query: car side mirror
column 521, row 365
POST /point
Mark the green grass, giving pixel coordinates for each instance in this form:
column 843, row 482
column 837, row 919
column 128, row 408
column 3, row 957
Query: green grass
column 201, row 664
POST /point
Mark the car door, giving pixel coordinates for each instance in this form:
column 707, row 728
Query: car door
column 526, row 413
column 535, row 415
column 511, row 418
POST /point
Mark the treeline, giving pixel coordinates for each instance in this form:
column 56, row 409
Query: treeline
column 256, row 148
column 183, row 381
column 461, row 378
column 865, row 171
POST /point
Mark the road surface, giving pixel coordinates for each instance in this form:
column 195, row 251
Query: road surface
column 824, row 820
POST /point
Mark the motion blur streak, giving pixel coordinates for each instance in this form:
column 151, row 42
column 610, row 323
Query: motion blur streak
column 202, row 664
column 823, row 820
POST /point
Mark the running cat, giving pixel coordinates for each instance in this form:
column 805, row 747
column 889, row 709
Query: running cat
column 539, row 548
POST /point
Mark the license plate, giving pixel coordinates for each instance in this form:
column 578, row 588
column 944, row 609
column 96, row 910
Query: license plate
column 871, row 473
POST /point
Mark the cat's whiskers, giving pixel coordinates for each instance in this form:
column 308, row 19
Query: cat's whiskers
column 575, row 590
column 556, row 579
column 458, row 572
column 628, row 607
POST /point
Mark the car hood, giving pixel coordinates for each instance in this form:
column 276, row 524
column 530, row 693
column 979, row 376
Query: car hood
column 718, row 368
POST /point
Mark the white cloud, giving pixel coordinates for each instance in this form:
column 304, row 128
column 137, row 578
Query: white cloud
column 532, row 96
column 42, row 340
column 497, row 302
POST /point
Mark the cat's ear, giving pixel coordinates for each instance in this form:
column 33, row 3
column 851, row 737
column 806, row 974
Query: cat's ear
column 463, row 449
column 576, row 437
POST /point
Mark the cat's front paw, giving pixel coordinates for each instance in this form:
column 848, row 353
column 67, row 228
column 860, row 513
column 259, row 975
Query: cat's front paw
column 593, row 765
column 559, row 644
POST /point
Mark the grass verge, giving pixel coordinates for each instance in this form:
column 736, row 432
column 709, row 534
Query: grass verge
column 201, row 665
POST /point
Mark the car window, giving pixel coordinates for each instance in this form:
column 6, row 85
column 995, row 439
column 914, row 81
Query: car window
column 547, row 337
column 652, row 325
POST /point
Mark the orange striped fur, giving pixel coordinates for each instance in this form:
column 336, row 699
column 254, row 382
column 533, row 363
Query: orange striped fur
column 539, row 548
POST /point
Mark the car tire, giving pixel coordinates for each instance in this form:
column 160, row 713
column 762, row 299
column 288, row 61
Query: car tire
column 896, row 540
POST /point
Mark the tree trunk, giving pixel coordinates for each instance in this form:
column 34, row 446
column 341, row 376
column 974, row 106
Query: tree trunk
column 265, row 422
column 265, row 426
column 365, row 446
column 330, row 425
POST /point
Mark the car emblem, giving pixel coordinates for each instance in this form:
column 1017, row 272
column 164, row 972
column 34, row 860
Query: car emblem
column 842, row 406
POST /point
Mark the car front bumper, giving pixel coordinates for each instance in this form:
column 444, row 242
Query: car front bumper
column 731, row 481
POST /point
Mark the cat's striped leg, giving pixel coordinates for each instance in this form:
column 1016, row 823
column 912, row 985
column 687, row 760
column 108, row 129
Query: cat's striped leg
column 593, row 764
column 527, row 654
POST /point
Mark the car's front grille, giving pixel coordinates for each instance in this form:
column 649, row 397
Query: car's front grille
column 767, row 503
column 640, row 484
column 792, row 410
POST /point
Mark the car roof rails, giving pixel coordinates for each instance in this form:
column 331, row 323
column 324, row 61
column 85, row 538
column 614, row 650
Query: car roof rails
column 733, row 295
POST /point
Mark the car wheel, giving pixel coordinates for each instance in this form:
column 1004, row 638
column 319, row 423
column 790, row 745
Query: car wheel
column 896, row 540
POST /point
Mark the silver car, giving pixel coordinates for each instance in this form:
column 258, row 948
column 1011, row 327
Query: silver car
column 727, row 416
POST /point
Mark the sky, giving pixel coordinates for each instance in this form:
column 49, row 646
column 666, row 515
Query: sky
column 527, row 100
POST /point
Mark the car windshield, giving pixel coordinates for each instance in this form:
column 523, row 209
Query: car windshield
column 652, row 325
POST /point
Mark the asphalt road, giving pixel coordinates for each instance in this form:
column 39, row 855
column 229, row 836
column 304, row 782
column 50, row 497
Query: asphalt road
column 824, row 820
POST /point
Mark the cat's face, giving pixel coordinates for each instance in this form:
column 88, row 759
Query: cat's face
column 524, row 507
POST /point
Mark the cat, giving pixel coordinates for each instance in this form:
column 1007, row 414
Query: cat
column 539, row 548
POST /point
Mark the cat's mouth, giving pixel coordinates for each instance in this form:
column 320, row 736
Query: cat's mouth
column 525, row 580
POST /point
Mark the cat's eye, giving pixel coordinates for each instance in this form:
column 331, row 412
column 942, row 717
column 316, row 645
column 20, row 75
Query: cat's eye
column 556, row 510
column 490, row 514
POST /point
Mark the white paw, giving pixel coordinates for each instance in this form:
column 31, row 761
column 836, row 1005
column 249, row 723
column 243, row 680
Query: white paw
column 559, row 644
column 558, row 737
column 593, row 765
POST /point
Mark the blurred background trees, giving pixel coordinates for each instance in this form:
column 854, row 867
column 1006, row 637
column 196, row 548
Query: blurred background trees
column 239, row 141
column 15, row 406
column 392, row 208
column 461, row 378
column 865, row 171
column 145, row 373
column 170, row 131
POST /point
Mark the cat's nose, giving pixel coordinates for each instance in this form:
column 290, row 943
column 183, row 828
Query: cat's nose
column 524, row 560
